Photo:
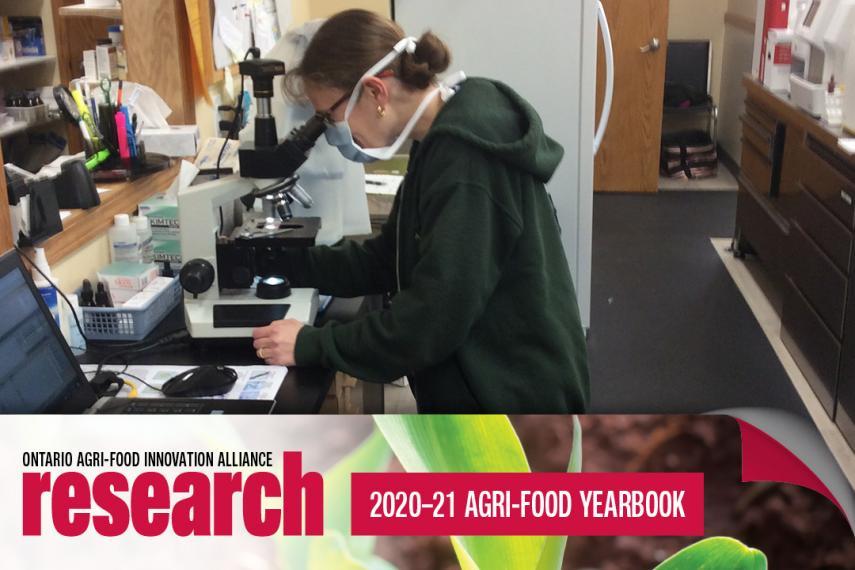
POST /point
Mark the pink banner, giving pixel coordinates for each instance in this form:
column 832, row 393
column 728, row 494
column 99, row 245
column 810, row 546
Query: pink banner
column 532, row 504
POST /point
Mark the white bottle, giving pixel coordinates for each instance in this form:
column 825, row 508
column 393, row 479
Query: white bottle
column 46, row 290
column 75, row 337
column 145, row 239
column 124, row 242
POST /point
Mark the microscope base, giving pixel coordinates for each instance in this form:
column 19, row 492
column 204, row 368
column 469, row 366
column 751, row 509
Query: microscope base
column 237, row 312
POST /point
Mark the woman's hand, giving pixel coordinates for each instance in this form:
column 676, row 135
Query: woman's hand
column 274, row 344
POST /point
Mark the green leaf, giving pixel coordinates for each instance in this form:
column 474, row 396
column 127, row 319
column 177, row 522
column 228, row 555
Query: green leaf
column 719, row 553
column 445, row 443
column 337, row 548
column 331, row 551
column 552, row 557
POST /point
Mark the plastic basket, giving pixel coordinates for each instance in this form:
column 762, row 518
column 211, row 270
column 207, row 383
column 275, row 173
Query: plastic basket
column 110, row 323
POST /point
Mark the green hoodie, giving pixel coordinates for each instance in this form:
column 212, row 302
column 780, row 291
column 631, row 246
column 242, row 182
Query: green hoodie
column 484, row 318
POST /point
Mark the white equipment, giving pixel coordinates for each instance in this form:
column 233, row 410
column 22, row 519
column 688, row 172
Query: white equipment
column 493, row 38
column 823, row 34
column 226, row 313
column 779, row 59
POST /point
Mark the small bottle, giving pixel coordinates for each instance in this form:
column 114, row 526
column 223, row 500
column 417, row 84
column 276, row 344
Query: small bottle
column 87, row 294
column 102, row 299
column 145, row 239
column 46, row 290
column 124, row 242
column 75, row 338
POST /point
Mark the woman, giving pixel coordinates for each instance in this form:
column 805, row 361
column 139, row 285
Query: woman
column 484, row 316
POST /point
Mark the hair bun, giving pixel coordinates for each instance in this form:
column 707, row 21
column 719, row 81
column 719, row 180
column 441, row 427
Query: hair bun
column 430, row 58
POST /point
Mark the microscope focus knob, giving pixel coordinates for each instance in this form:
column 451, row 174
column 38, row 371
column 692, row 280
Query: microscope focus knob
column 197, row 276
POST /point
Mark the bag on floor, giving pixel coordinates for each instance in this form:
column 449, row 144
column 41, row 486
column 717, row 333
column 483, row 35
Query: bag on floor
column 688, row 154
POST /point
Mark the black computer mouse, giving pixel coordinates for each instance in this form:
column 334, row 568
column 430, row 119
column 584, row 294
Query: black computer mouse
column 200, row 382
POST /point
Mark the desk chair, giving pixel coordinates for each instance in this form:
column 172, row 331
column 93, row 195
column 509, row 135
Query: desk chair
column 687, row 82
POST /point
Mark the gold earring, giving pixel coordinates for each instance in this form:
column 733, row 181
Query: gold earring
column 381, row 112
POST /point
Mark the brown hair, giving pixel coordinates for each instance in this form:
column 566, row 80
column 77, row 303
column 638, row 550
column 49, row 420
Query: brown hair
column 350, row 42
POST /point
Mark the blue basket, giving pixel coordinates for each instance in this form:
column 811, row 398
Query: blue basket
column 110, row 323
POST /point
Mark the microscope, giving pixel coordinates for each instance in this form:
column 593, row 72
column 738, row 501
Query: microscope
column 234, row 278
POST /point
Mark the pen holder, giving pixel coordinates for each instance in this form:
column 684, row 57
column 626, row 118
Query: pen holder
column 115, row 168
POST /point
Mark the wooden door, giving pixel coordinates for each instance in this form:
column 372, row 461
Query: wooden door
column 628, row 160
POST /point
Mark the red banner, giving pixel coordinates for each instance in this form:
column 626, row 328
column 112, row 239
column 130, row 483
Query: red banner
column 520, row 504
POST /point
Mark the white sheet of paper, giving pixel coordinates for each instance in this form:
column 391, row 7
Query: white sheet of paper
column 385, row 184
column 253, row 383
column 847, row 144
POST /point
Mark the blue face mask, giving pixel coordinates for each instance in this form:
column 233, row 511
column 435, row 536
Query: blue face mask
column 339, row 134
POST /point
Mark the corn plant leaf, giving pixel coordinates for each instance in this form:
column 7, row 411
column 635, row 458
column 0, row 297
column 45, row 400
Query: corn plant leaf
column 331, row 551
column 300, row 553
column 552, row 557
column 444, row 443
column 719, row 553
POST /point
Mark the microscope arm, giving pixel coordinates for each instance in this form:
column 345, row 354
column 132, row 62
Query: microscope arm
column 198, row 221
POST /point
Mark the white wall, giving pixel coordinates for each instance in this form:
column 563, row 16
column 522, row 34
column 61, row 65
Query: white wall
column 701, row 20
column 738, row 55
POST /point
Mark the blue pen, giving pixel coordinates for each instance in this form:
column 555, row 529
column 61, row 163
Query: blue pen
column 132, row 141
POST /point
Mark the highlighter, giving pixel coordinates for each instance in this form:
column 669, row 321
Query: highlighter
column 122, row 133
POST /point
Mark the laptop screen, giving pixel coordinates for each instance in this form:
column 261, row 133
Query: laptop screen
column 37, row 371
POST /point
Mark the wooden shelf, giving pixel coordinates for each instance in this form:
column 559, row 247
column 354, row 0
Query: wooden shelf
column 83, row 11
column 20, row 126
column 25, row 61
column 82, row 226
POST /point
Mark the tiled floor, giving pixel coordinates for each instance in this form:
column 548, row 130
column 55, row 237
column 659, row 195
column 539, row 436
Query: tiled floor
column 749, row 279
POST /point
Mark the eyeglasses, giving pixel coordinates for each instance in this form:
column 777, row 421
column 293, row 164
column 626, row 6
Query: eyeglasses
column 328, row 113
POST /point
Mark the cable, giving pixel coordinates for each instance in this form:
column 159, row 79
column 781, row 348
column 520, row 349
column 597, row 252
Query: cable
column 138, row 379
column 237, row 120
column 58, row 290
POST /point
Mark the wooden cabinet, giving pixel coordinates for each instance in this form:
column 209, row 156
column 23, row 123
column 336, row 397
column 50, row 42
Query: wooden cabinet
column 796, row 211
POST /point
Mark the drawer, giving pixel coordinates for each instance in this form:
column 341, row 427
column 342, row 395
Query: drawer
column 757, row 224
column 761, row 118
column 824, row 229
column 844, row 415
column 822, row 284
column 812, row 345
column 754, row 133
column 829, row 179
column 756, row 167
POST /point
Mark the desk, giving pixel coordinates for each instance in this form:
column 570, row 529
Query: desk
column 304, row 389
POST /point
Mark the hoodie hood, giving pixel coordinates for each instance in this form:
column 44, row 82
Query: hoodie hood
column 491, row 116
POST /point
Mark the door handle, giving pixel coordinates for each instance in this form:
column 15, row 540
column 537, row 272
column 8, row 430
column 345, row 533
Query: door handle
column 652, row 46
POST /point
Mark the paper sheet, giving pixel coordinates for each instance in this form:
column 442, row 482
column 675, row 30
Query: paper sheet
column 847, row 144
column 253, row 383
column 386, row 184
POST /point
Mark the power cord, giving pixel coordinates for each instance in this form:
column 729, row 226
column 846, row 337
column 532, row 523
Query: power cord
column 58, row 290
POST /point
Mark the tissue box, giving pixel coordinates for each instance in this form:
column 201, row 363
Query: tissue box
column 162, row 214
column 178, row 140
column 125, row 275
column 167, row 250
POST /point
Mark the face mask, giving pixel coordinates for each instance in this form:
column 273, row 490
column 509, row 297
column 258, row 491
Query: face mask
column 339, row 134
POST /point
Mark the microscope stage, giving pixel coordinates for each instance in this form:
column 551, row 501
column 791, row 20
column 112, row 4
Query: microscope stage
column 237, row 312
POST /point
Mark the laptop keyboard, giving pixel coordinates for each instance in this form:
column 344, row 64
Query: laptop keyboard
column 156, row 407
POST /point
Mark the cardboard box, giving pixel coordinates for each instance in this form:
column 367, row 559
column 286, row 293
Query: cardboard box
column 177, row 140
column 124, row 275
column 162, row 214
column 167, row 250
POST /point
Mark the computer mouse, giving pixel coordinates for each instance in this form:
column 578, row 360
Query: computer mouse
column 200, row 382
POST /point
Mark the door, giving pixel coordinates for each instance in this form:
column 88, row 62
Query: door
column 628, row 160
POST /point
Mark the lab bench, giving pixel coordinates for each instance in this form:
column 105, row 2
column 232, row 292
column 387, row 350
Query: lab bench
column 306, row 390
column 795, row 211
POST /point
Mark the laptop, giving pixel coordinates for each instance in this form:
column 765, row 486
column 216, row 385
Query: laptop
column 39, row 374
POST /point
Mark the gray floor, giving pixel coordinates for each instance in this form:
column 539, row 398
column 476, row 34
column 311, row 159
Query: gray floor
column 670, row 332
